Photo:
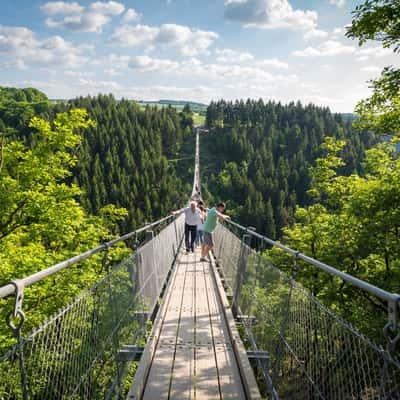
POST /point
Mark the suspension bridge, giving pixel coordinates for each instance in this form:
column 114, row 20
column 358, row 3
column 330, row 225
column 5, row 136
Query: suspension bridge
column 160, row 324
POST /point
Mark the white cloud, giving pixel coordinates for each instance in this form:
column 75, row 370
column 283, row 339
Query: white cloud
column 338, row 33
column 186, row 41
column 88, row 22
column 118, row 61
column 19, row 43
column 229, row 55
column 315, row 33
column 274, row 62
column 372, row 69
column 373, row 52
column 330, row 48
column 127, row 35
column 148, row 64
column 79, row 74
column 99, row 86
column 108, row 8
column 61, row 7
column 112, row 72
column 13, row 64
column 130, row 15
column 219, row 73
column 80, row 19
column 339, row 3
column 269, row 14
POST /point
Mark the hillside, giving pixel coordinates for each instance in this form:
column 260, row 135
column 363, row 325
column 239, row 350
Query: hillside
column 197, row 107
column 257, row 157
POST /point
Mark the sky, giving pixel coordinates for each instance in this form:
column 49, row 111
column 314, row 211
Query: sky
column 199, row 50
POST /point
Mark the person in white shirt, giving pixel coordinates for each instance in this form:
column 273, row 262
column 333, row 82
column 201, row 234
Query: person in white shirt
column 192, row 219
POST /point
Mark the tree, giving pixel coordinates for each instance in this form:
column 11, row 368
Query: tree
column 267, row 148
column 381, row 112
column 30, row 177
column 380, row 20
column 41, row 222
column 355, row 227
column 377, row 20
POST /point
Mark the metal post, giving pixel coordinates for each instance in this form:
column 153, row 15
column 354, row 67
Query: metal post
column 391, row 331
column 18, row 314
column 149, row 234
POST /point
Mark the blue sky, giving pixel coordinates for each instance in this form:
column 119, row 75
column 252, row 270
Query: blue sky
column 286, row 50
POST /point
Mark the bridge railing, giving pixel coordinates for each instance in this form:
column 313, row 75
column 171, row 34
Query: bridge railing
column 78, row 353
column 196, row 189
column 304, row 350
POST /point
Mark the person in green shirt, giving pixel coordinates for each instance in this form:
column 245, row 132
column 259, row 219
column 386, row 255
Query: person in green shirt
column 209, row 226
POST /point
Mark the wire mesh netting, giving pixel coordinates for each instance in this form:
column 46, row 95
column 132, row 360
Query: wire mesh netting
column 313, row 353
column 74, row 354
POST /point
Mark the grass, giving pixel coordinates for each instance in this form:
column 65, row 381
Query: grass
column 199, row 119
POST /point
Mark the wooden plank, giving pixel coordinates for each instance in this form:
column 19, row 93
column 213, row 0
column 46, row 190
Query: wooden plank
column 219, row 328
column 138, row 385
column 182, row 384
column 230, row 382
column 203, row 327
column 170, row 322
column 158, row 383
column 228, row 371
column 186, row 322
column 195, row 356
column 246, row 372
column 207, row 386
column 159, row 379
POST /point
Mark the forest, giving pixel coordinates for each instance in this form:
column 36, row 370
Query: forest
column 258, row 155
column 79, row 172
column 75, row 174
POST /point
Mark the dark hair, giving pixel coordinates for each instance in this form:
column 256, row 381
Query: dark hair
column 200, row 203
column 221, row 204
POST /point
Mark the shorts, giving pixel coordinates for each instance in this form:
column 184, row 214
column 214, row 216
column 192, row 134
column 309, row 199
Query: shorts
column 208, row 239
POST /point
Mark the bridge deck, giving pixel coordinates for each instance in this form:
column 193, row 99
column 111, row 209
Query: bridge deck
column 193, row 358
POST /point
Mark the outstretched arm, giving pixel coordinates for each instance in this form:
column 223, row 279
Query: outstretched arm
column 177, row 212
column 223, row 216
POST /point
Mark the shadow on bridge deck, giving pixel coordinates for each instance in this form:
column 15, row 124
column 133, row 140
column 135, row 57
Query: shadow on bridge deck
column 193, row 355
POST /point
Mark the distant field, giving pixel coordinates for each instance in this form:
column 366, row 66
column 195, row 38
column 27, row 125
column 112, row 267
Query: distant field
column 197, row 107
column 199, row 119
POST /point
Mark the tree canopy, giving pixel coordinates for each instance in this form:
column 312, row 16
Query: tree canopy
column 379, row 20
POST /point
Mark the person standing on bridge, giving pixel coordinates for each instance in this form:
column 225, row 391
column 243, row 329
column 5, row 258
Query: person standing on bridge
column 203, row 211
column 209, row 226
column 192, row 219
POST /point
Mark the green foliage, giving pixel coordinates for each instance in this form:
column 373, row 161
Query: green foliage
column 381, row 112
column 257, row 157
column 42, row 222
column 377, row 20
column 354, row 227
column 380, row 20
column 29, row 95
column 123, row 160
column 18, row 106
column 31, row 178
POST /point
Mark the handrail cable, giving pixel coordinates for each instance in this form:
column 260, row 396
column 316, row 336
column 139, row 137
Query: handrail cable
column 376, row 291
column 10, row 288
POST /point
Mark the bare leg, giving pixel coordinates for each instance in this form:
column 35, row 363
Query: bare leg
column 204, row 250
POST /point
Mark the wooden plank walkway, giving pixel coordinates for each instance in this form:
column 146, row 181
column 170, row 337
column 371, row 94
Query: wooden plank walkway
column 193, row 357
